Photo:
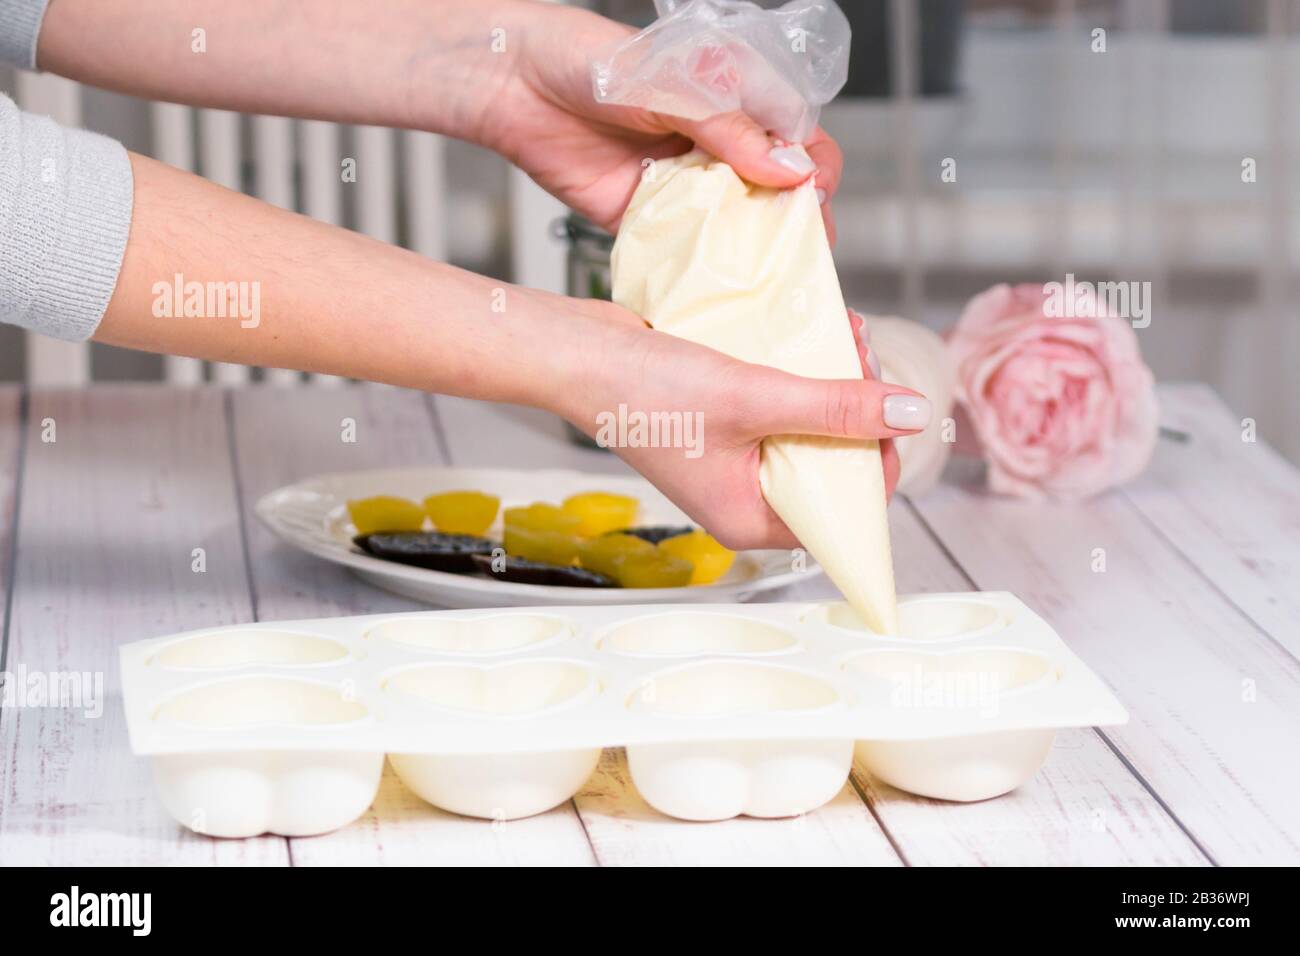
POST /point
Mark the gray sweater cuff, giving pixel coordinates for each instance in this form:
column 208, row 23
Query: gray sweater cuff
column 66, row 197
column 20, row 25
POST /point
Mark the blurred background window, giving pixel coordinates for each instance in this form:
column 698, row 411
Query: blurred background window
column 1115, row 140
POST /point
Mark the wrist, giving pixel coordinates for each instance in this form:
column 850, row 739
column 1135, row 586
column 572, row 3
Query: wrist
column 586, row 352
column 463, row 64
column 549, row 45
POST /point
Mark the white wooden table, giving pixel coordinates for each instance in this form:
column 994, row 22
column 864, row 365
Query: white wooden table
column 1195, row 622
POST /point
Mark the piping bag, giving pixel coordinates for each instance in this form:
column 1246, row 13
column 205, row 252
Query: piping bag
column 747, row 270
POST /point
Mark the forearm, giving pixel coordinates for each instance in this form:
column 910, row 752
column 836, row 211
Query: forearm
column 214, row 274
column 422, row 64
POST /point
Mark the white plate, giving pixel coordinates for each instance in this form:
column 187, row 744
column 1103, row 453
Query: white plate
column 312, row 515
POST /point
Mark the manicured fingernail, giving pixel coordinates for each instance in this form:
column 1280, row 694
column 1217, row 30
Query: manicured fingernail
column 864, row 331
column 874, row 365
column 821, row 196
column 906, row 412
column 791, row 159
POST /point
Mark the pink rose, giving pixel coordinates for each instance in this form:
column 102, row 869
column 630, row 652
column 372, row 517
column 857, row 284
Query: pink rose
column 1062, row 407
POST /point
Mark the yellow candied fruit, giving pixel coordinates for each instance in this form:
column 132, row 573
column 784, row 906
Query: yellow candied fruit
column 385, row 513
column 542, row 517
column 656, row 570
column 604, row 554
column 602, row 511
column 462, row 512
column 710, row 559
column 533, row 544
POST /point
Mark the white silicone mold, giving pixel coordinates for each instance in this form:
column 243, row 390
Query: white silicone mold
column 724, row 710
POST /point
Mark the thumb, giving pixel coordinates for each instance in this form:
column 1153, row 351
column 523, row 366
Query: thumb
column 745, row 146
column 784, row 404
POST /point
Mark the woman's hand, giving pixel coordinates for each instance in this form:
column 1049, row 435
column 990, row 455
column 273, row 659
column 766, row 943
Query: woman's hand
column 871, row 370
column 545, row 120
column 738, row 405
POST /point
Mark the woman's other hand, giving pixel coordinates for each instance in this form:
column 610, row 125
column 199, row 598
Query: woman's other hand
column 727, row 408
column 545, row 120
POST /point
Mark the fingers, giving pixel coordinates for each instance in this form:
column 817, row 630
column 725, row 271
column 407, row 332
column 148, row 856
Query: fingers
column 828, row 219
column 776, row 403
column 760, row 528
column 893, row 466
column 862, row 336
column 828, row 156
column 871, row 369
column 745, row 147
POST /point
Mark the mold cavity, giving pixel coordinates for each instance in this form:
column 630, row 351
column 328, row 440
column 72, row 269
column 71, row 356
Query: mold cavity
column 508, row 690
column 497, row 634
column 245, row 648
column 925, row 619
column 726, row 689
column 249, row 701
column 681, row 635
column 993, row 670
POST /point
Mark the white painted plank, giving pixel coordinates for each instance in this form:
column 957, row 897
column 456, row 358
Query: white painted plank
column 1215, row 703
column 111, row 510
column 53, row 362
column 400, row 829
column 173, row 144
column 622, row 829
column 282, row 437
column 220, row 158
column 1230, row 507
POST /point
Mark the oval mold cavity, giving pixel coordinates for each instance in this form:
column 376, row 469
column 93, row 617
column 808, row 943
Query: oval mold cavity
column 975, row 678
column 497, row 634
column 725, row 688
column 252, row 701
column 924, row 619
column 507, row 690
column 247, row 648
column 684, row 634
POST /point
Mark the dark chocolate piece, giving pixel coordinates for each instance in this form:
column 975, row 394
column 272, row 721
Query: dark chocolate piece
column 654, row 533
column 523, row 571
column 427, row 549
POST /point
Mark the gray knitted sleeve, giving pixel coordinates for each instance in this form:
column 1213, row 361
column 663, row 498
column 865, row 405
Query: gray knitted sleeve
column 65, row 206
column 20, row 23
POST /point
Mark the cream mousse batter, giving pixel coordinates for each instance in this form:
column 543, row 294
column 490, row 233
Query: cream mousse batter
column 747, row 270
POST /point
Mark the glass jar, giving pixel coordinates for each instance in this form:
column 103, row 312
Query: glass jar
column 588, row 264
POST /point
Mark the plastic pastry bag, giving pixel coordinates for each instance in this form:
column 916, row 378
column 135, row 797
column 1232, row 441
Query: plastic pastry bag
column 705, row 57
column 747, row 270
